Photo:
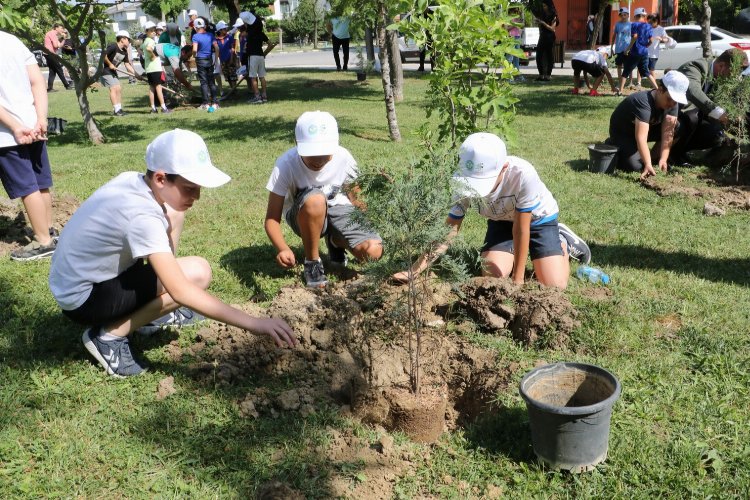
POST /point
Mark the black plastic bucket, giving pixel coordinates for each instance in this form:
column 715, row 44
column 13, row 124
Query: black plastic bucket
column 570, row 405
column 602, row 158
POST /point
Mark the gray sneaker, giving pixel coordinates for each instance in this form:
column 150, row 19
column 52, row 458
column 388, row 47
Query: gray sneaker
column 577, row 248
column 315, row 275
column 336, row 255
column 114, row 355
column 34, row 251
column 177, row 318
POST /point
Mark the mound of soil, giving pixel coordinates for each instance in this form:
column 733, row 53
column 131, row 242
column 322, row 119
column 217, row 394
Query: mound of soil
column 15, row 232
column 722, row 197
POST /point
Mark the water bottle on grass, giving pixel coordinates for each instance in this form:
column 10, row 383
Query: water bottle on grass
column 592, row 274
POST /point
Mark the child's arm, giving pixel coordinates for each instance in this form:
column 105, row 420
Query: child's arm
column 609, row 79
column 184, row 292
column 521, row 236
column 668, row 126
column 285, row 256
column 641, row 141
column 425, row 260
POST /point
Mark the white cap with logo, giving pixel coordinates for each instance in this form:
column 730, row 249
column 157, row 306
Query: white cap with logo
column 199, row 23
column 317, row 134
column 677, row 85
column 603, row 49
column 247, row 17
column 481, row 159
column 122, row 34
column 221, row 25
column 184, row 153
column 624, row 10
column 640, row 11
column 161, row 25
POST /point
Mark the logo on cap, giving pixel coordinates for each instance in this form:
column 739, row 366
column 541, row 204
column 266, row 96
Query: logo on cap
column 202, row 156
column 469, row 165
column 312, row 129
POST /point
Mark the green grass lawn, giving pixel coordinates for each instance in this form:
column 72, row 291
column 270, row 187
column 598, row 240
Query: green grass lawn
column 674, row 330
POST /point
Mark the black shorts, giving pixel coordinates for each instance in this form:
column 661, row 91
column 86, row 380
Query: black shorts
column 116, row 298
column 591, row 68
column 620, row 58
column 25, row 169
column 634, row 61
column 156, row 78
column 544, row 240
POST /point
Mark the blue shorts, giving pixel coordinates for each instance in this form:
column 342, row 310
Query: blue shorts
column 544, row 240
column 652, row 63
column 25, row 169
column 634, row 61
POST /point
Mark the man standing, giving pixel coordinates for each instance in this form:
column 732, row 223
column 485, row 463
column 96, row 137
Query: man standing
column 339, row 29
column 117, row 53
column 52, row 43
column 24, row 166
column 205, row 48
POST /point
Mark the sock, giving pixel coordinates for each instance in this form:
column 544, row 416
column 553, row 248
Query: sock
column 107, row 337
column 164, row 107
column 153, row 108
column 311, row 261
column 118, row 107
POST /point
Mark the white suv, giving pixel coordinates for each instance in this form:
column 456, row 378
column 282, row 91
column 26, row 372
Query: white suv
column 688, row 38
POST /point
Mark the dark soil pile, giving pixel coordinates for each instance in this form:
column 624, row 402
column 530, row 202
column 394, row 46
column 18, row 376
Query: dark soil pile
column 15, row 232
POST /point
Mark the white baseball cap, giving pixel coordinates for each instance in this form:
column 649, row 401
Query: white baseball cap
column 317, row 134
column 199, row 23
column 481, row 158
column 677, row 85
column 624, row 10
column 640, row 11
column 122, row 33
column 221, row 25
column 239, row 22
column 247, row 17
column 161, row 25
column 149, row 25
column 184, row 153
column 192, row 12
column 603, row 49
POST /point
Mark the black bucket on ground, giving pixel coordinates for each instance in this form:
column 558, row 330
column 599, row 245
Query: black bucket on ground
column 570, row 405
column 602, row 158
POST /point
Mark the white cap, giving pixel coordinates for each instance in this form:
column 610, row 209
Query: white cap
column 677, row 85
column 149, row 25
column 199, row 23
column 248, row 17
column 239, row 22
column 317, row 134
column 603, row 49
column 624, row 10
column 640, row 11
column 161, row 25
column 122, row 33
column 192, row 12
column 481, row 158
column 221, row 25
column 184, row 153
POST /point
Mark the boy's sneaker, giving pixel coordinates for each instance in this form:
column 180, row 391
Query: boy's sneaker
column 54, row 234
column 594, row 93
column 315, row 275
column 204, row 107
column 165, row 111
column 336, row 255
column 577, row 248
column 119, row 113
column 34, row 251
column 264, row 98
column 574, row 91
column 182, row 316
column 256, row 100
column 114, row 355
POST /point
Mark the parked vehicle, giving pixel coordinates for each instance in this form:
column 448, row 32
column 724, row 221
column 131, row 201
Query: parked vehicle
column 688, row 38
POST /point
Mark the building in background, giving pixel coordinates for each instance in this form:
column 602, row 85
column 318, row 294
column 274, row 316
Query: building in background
column 126, row 14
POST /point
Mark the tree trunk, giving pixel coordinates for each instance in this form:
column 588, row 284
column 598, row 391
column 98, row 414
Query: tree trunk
column 598, row 23
column 397, row 69
column 82, row 80
column 705, row 23
column 369, row 48
column 390, row 104
column 315, row 30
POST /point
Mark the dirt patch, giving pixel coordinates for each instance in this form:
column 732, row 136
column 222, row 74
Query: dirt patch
column 534, row 315
column 597, row 293
column 718, row 197
column 15, row 231
column 165, row 388
column 668, row 326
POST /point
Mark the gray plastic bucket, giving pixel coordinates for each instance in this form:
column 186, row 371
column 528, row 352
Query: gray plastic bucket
column 602, row 158
column 570, row 405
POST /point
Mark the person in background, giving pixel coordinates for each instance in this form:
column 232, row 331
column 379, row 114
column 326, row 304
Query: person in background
column 514, row 30
column 116, row 54
column 621, row 39
column 206, row 49
column 545, row 56
column 24, row 164
column 153, row 68
column 53, row 42
column 338, row 27
column 594, row 63
column 227, row 56
column 636, row 54
column 256, row 57
column 590, row 30
column 659, row 37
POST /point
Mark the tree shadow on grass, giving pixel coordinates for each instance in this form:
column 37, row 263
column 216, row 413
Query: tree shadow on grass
column 75, row 132
column 558, row 102
column 505, row 431
column 731, row 270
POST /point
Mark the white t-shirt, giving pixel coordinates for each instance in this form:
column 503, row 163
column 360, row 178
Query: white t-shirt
column 15, row 88
column 119, row 224
column 521, row 190
column 290, row 176
column 655, row 47
column 591, row 57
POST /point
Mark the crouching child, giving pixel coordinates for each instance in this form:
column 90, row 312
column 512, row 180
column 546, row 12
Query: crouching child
column 312, row 187
column 115, row 268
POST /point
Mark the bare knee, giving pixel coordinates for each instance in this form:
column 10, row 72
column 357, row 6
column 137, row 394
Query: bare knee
column 315, row 205
column 197, row 270
column 494, row 269
column 368, row 250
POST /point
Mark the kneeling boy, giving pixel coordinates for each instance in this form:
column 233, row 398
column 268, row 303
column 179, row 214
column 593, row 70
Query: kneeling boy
column 310, row 187
column 115, row 268
column 521, row 212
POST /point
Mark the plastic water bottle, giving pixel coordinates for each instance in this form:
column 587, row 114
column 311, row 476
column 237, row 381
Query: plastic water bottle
column 592, row 274
column 211, row 109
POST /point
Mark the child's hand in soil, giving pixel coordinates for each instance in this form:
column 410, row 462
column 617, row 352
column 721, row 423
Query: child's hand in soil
column 286, row 259
column 281, row 333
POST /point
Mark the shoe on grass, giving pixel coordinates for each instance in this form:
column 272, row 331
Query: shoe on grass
column 34, row 251
column 336, row 255
column 574, row 91
column 119, row 112
column 315, row 275
column 577, row 248
column 178, row 318
column 114, row 355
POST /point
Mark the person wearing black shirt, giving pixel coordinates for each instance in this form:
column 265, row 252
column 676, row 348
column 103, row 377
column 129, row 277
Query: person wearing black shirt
column 256, row 59
column 545, row 57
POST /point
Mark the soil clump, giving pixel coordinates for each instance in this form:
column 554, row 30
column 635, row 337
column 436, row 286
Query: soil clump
column 719, row 197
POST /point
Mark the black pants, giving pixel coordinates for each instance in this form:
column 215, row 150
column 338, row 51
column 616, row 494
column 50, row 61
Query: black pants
column 340, row 43
column 628, row 157
column 545, row 57
column 205, row 70
column 697, row 133
column 55, row 69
